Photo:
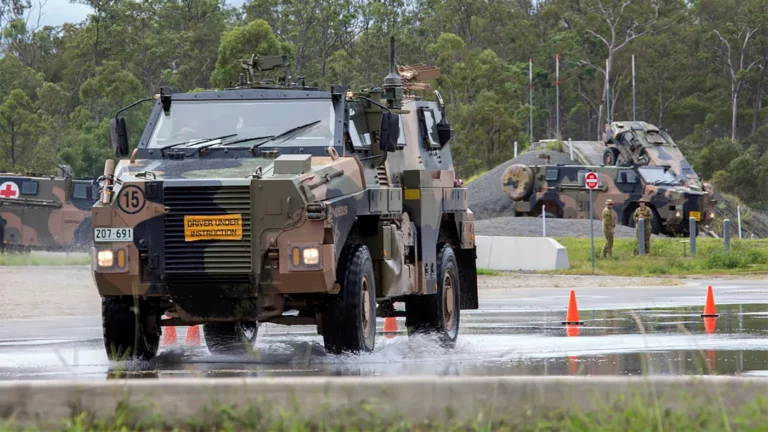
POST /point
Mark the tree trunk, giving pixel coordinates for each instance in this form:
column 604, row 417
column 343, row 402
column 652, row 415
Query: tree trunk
column 757, row 103
column 734, row 111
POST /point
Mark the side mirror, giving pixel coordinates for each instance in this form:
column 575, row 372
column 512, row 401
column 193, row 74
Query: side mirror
column 444, row 132
column 119, row 136
column 389, row 131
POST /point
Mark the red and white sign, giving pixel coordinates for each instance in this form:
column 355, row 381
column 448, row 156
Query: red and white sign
column 9, row 190
column 590, row 180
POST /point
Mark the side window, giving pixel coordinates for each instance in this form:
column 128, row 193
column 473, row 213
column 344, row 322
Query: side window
column 29, row 188
column 631, row 177
column 360, row 141
column 429, row 128
column 80, row 191
column 401, row 142
column 552, row 175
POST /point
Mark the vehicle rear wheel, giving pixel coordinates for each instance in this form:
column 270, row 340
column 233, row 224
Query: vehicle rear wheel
column 130, row 328
column 349, row 317
column 438, row 313
column 230, row 337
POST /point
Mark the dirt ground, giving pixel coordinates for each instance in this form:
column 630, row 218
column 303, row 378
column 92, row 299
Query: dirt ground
column 39, row 291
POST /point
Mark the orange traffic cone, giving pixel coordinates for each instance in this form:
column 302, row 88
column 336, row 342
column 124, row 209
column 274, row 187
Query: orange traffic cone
column 710, row 325
column 193, row 336
column 390, row 327
column 572, row 316
column 571, row 330
column 169, row 335
column 709, row 306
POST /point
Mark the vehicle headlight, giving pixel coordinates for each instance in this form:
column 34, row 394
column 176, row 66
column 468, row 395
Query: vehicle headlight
column 677, row 214
column 105, row 258
column 311, row 256
column 712, row 215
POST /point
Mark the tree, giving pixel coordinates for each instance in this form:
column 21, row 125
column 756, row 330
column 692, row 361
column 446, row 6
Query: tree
column 19, row 128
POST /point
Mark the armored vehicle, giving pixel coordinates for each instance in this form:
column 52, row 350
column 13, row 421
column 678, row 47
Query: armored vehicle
column 275, row 202
column 559, row 191
column 40, row 212
column 643, row 144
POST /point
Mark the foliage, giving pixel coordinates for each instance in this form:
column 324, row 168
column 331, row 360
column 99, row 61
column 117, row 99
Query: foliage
column 701, row 70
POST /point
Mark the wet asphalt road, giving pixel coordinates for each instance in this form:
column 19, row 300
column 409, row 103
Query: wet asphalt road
column 626, row 331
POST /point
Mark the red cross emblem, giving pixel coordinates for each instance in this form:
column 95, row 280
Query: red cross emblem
column 9, row 190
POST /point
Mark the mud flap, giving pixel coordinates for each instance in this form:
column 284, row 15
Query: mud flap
column 468, row 277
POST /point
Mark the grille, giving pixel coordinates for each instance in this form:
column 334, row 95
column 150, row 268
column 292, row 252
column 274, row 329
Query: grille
column 206, row 256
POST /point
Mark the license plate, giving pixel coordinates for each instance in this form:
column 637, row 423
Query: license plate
column 695, row 215
column 219, row 227
column 113, row 234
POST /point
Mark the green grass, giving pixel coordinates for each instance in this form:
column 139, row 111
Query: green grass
column 486, row 272
column 18, row 259
column 637, row 414
column 667, row 259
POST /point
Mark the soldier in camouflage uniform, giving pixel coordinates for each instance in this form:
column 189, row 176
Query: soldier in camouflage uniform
column 643, row 212
column 609, row 225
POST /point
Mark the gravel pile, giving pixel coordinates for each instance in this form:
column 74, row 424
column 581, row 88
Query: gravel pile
column 486, row 196
column 531, row 227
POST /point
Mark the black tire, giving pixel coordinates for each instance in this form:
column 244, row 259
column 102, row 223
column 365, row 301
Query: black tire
column 349, row 317
column 125, row 322
column 438, row 314
column 656, row 226
column 610, row 156
column 229, row 337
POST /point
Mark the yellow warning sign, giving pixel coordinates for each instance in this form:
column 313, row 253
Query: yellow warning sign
column 695, row 215
column 219, row 227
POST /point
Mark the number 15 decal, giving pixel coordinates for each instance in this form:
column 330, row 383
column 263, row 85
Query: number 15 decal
column 131, row 199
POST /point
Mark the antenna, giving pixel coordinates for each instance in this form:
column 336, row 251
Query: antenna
column 393, row 83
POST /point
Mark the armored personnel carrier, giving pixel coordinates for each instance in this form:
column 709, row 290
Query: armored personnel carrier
column 559, row 191
column 39, row 212
column 275, row 202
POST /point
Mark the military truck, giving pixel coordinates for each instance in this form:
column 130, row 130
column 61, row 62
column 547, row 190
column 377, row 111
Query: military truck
column 559, row 191
column 275, row 202
column 39, row 212
column 643, row 144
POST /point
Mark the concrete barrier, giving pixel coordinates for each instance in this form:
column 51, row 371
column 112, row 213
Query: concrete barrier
column 324, row 399
column 520, row 253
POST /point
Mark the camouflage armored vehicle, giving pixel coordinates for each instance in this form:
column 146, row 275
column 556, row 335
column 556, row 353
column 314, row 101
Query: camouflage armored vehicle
column 559, row 191
column 643, row 144
column 275, row 202
column 40, row 212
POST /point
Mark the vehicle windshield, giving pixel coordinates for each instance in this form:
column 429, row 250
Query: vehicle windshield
column 658, row 176
column 202, row 120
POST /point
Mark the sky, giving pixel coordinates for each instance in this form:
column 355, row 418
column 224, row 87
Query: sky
column 58, row 12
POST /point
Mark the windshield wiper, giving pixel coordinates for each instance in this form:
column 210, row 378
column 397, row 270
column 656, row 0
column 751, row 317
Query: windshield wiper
column 199, row 141
column 242, row 140
column 286, row 134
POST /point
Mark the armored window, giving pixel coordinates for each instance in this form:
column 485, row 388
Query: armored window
column 360, row 141
column 552, row 174
column 428, row 128
column 401, row 143
column 80, row 191
column 29, row 188
column 630, row 177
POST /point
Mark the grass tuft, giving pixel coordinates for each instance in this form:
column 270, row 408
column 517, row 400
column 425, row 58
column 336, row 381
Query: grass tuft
column 27, row 259
column 667, row 257
column 487, row 272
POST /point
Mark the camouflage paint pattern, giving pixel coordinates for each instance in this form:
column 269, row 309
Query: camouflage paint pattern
column 290, row 195
column 45, row 213
column 560, row 190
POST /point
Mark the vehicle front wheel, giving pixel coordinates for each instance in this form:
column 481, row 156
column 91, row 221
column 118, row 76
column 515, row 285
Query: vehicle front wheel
column 229, row 337
column 130, row 328
column 439, row 313
column 349, row 317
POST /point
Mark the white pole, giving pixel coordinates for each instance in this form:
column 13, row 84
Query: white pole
column 738, row 213
column 557, row 94
column 530, row 94
column 634, row 106
column 543, row 221
column 570, row 144
column 515, row 148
